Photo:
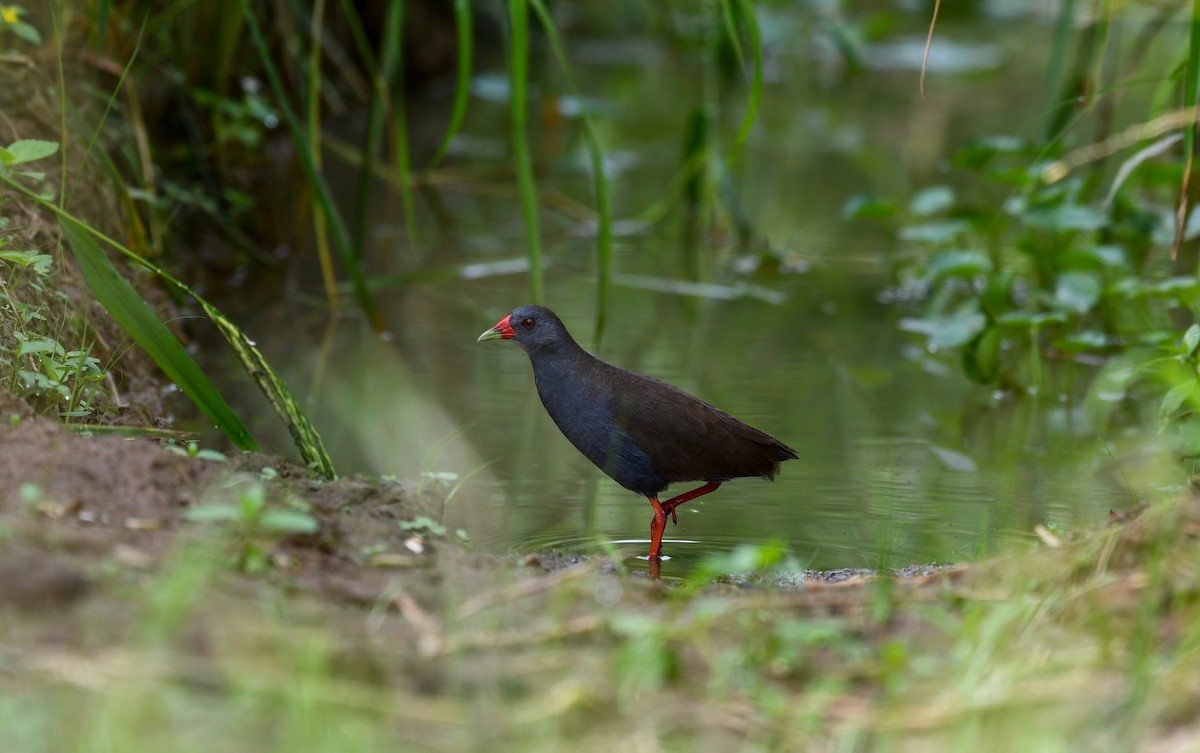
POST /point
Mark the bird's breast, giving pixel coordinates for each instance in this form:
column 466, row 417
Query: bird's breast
column 589, row 417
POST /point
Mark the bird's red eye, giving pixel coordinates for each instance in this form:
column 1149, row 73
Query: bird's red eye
column 528, row 323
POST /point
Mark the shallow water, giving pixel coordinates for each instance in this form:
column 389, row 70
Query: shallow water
column 901, row 459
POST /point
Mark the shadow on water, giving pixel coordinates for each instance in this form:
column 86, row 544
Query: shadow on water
column 901, row 461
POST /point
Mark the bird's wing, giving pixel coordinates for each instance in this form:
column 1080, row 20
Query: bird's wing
column 690, row 440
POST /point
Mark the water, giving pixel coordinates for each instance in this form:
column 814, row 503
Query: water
column 901, row 460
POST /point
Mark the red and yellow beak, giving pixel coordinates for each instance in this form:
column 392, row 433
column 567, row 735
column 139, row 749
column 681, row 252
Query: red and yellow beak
column 502, row 331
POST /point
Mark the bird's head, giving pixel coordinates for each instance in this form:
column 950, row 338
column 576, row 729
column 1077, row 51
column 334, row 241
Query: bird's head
column 534, row 328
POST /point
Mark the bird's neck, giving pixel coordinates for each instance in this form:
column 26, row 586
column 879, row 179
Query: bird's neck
column 562, row 373
column 561, row 355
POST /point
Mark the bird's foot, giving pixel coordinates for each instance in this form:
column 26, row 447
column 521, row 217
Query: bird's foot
column 657, row 524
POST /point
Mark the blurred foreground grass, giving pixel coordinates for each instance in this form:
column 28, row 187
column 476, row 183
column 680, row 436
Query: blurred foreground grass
column 1087, row 643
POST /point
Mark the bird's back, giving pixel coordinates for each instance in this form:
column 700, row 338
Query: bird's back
column 645, row 433
column 690, row 440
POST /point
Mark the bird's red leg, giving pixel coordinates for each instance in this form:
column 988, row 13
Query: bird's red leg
column 657, row 525
column 673, row 502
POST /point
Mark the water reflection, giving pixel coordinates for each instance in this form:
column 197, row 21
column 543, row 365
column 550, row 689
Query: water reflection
column 901, row 461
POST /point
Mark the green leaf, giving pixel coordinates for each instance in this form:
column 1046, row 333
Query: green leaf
column 212, row 514
column 1088, row 339
column 41, row 345
column 966, row 264
column 1030, row 319
column 28, row 33
column 951, row 330
column 1191, row 339
column 981, row 151
column 136, row 318
column 41, row 263
column 7, row 158
column 1183, row 436
column 932, row 200
column 1180, row 285
column 1066, row 217
column 1175, row 397
column 981, row 358
column 936, row 233
column 1076, row 291
column 1094, row 257
column 997, row 294
column 289, row 521
column 954, row 460
column 865, row 206
column 28, row 150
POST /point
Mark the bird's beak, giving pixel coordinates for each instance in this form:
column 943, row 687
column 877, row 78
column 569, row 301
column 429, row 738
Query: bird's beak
column 502, row 331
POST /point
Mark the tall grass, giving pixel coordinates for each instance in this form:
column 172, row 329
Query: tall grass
column 320, row 223
column 604, row 257
column 518, row 77
column 1191, row 102
column 462, row 82
column 392, row 71
column 745, row 14
column 339, row 234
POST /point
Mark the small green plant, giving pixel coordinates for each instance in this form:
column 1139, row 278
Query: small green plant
column 254, row 524
column 28, row 150
column 423, row 525
column 1042, row 281
column 69, row 377
column 40, row 367
column 10, row 21
column 192, row 450
column 747, row 559
column 241, row 122
column 647, row 656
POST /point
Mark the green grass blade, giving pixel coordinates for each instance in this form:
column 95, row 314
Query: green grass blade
column 1191, row 96
column 321, row 191
column 393, row 75
column 304, row 434
column 1192, row 83
column 320, row 224
column 604, row 257
column 754, row 101
column 135, row 317
column 462, row 87
column 735, row 39
column 1056, row 100
column 374, row 130
column 518, row 67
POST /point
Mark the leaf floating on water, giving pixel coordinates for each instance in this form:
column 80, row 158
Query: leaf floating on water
column 700, row 289
column 867, row 207
column 951, row 330
column 954, row 460
column 932, row 200
column 936, row 233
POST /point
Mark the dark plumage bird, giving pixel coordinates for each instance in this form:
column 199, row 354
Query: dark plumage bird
column 644, row 433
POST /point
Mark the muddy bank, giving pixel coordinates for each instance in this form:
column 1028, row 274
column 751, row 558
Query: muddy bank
column 84, row 500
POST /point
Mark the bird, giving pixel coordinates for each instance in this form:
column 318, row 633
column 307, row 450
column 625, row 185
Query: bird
column 644, row 433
